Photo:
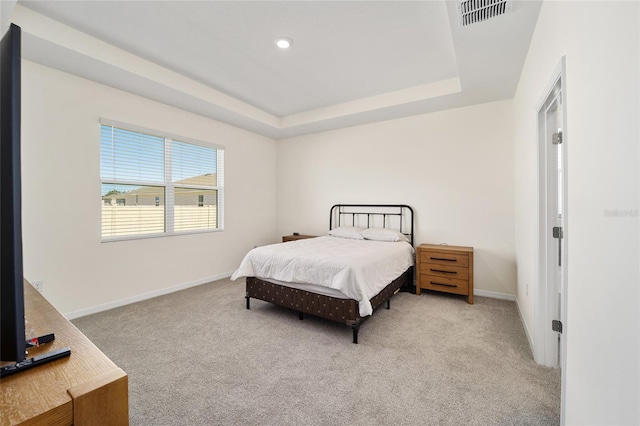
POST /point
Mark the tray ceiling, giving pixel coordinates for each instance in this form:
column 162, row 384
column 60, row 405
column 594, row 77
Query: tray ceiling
column 351, row 62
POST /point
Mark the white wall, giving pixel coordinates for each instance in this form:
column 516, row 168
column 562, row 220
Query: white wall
column 61, row 166
column 601, row 44
column 6, row 11
column 455, row 168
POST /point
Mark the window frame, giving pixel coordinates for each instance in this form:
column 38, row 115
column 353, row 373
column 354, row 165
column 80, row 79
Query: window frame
column 168, row 185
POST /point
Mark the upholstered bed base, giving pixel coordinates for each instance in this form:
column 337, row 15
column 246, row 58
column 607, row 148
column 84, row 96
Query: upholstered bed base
column 344, row 311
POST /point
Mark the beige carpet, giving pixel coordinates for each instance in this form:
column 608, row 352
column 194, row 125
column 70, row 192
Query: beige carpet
column 198, row 357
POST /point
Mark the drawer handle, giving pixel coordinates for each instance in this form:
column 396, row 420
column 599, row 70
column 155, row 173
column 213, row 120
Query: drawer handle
column 446, row 285
column 443, row 258
column 443, row 272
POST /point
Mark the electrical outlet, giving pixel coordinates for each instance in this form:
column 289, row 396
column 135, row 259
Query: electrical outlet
column 38, row 285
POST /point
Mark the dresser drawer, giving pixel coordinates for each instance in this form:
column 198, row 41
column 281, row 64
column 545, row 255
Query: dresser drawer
column 444, row 258
column 448, row 285
column 461, row 273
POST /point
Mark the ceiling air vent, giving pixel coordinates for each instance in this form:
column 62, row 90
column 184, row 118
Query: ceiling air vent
column 473, row 11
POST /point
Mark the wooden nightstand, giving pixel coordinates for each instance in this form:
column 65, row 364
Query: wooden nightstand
column 296, row 237
column 445, row 268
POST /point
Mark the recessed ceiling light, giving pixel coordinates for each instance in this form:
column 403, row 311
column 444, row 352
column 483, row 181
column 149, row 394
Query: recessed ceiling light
column 284, row 42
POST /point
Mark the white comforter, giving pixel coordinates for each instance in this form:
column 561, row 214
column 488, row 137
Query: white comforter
column 357, row 268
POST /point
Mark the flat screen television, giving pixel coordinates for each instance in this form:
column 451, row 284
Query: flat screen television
column 12, row 337
column 13, row 342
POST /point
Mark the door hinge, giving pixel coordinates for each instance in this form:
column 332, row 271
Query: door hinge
column 556, row 138
column 556, row 326
column 557, row 232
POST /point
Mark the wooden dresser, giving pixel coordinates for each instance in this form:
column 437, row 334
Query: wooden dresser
column 445, row 268
column 296, row 237
column 86, row 388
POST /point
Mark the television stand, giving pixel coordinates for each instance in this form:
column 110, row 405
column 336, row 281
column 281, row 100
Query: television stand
column 86, row 388
column 34, row 361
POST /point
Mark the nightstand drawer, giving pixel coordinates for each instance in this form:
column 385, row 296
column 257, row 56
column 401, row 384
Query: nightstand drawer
column 449, row 285
column 461, row 273
column 444, row 258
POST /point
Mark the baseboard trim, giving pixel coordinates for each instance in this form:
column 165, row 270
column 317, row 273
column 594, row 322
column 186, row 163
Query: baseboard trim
column 494, row 295
column 144, row 296
column 526, row 329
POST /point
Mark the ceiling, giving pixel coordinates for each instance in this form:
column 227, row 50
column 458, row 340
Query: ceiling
column 351, row 62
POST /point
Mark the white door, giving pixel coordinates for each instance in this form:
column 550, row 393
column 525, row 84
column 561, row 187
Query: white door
column 555, row 227
column 552, row 230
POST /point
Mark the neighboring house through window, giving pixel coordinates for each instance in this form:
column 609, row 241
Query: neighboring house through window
column 155, row 184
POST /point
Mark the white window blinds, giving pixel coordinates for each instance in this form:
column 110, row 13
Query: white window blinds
column 155, row 184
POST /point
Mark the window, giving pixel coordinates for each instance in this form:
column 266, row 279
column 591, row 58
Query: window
column 155, row 184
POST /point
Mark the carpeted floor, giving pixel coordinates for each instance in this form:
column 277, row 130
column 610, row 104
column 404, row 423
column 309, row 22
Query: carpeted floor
column 198, row 357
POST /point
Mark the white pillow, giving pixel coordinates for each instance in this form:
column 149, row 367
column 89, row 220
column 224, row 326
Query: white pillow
column 381, row 234
column 351, row 232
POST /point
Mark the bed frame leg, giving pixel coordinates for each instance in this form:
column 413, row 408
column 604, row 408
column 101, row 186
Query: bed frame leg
column 355, row 328
column 300, row 316
column 248, row 298
column 388, row 303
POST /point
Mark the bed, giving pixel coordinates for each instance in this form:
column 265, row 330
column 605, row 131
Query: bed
column 344, row 276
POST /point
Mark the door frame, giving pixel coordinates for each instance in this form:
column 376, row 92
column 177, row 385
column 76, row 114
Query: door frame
column 542, row 325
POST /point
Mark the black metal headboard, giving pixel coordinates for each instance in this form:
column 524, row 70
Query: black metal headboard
column 393, row 216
